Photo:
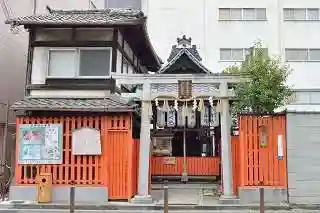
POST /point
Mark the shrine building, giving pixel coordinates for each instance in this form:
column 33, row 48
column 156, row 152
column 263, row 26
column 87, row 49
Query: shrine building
column 102, row 112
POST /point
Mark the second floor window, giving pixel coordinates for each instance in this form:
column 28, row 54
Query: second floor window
column 79, row 62
column 236, row 54
column 302, row 54
column 302, row 14
column 242, row 14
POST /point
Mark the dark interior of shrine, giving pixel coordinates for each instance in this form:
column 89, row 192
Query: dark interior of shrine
column 198, row 143
column 199, row 139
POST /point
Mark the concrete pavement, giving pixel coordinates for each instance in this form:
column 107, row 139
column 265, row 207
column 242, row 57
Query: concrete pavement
column 148, row 211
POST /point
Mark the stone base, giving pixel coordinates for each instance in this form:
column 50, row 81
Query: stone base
column 251, row 195
column 61, row 194
column 142, row 199
column 229, row 200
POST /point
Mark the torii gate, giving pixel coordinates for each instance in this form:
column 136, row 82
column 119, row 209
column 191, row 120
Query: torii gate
column 203, row 85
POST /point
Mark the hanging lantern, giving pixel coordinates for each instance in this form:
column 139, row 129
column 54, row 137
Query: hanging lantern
column 161, row 118
column 181, row 116
column 165, row 105
column 205, row 116
column 201, row 105
column 156, row 101
column 150, row 113
column 219, row 107
column 171, row 117
column 176, row 105
column 211, row 101
column 194, row 105
column 184, row 109
column 191, row 117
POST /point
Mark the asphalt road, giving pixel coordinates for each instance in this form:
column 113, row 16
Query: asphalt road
column 139, row 211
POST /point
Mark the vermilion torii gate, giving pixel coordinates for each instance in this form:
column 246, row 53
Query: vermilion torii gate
column 216, row 86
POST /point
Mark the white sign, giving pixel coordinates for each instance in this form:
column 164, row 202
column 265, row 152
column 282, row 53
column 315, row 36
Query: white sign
column 280, row 147
column 86, row 141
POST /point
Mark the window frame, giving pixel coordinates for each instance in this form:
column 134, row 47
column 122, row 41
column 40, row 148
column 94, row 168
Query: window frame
column 306, row 18
column 77, row 51
column 300, row 60
column 242, row 14
column 244, row 51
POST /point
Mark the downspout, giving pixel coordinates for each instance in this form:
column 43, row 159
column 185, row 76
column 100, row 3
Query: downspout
column 34, row 7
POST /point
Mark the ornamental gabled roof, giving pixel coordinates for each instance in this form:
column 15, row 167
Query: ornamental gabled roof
column 182, row 48
column 184, row 43
column 184, row 51
column 109, row 16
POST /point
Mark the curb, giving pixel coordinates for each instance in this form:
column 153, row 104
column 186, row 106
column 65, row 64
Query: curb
column 305, row 206
column 144, row 207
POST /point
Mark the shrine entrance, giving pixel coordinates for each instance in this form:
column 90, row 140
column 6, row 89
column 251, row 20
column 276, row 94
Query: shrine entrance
column 186, row 130
column 185, row 121
column 186, row 149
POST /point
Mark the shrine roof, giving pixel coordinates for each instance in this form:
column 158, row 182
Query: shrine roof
column 192, row 57
column 109, row 104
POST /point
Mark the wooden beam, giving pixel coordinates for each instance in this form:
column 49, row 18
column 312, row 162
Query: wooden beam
column 72, row 44
column 173, row 79
column 174, row 95
column 114, row 51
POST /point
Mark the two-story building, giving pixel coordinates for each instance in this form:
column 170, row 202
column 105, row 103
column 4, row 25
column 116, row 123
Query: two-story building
column 70, row 96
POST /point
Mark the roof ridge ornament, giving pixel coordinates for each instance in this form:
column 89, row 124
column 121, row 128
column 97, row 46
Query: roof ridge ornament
column 184, row 41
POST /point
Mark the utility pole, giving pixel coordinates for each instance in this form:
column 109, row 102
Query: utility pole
column 5, row 133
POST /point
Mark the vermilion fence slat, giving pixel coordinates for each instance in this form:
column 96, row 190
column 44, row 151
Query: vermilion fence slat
column 262, row 163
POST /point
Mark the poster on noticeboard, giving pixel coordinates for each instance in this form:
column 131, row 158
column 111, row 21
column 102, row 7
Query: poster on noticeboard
column 40, row 144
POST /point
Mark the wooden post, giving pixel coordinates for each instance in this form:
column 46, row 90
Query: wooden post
column 184, row 177
column 261, row 192
column 166, row 197
column 72, row 198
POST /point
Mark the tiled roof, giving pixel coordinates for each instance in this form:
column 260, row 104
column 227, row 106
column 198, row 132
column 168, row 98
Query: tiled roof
column 110, row 104
column 190, row 56
column 175, row 50
column 82, row 17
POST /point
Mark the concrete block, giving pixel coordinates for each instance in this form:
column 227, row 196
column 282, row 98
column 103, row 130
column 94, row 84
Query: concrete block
column 61, row 194
column 250, row 195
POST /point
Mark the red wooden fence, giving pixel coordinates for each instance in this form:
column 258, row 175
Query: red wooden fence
column 258, row 163
column 197, row 166
column 115, row 168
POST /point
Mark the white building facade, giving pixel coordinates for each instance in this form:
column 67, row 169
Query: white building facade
column 223, row 29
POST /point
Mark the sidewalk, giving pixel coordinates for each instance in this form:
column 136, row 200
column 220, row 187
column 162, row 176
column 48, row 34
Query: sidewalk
column 124, row 206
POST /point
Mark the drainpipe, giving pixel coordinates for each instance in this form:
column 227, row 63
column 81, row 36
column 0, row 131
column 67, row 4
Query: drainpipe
column 34, row 7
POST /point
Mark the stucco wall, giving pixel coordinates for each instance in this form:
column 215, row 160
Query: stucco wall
column 303, row 134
